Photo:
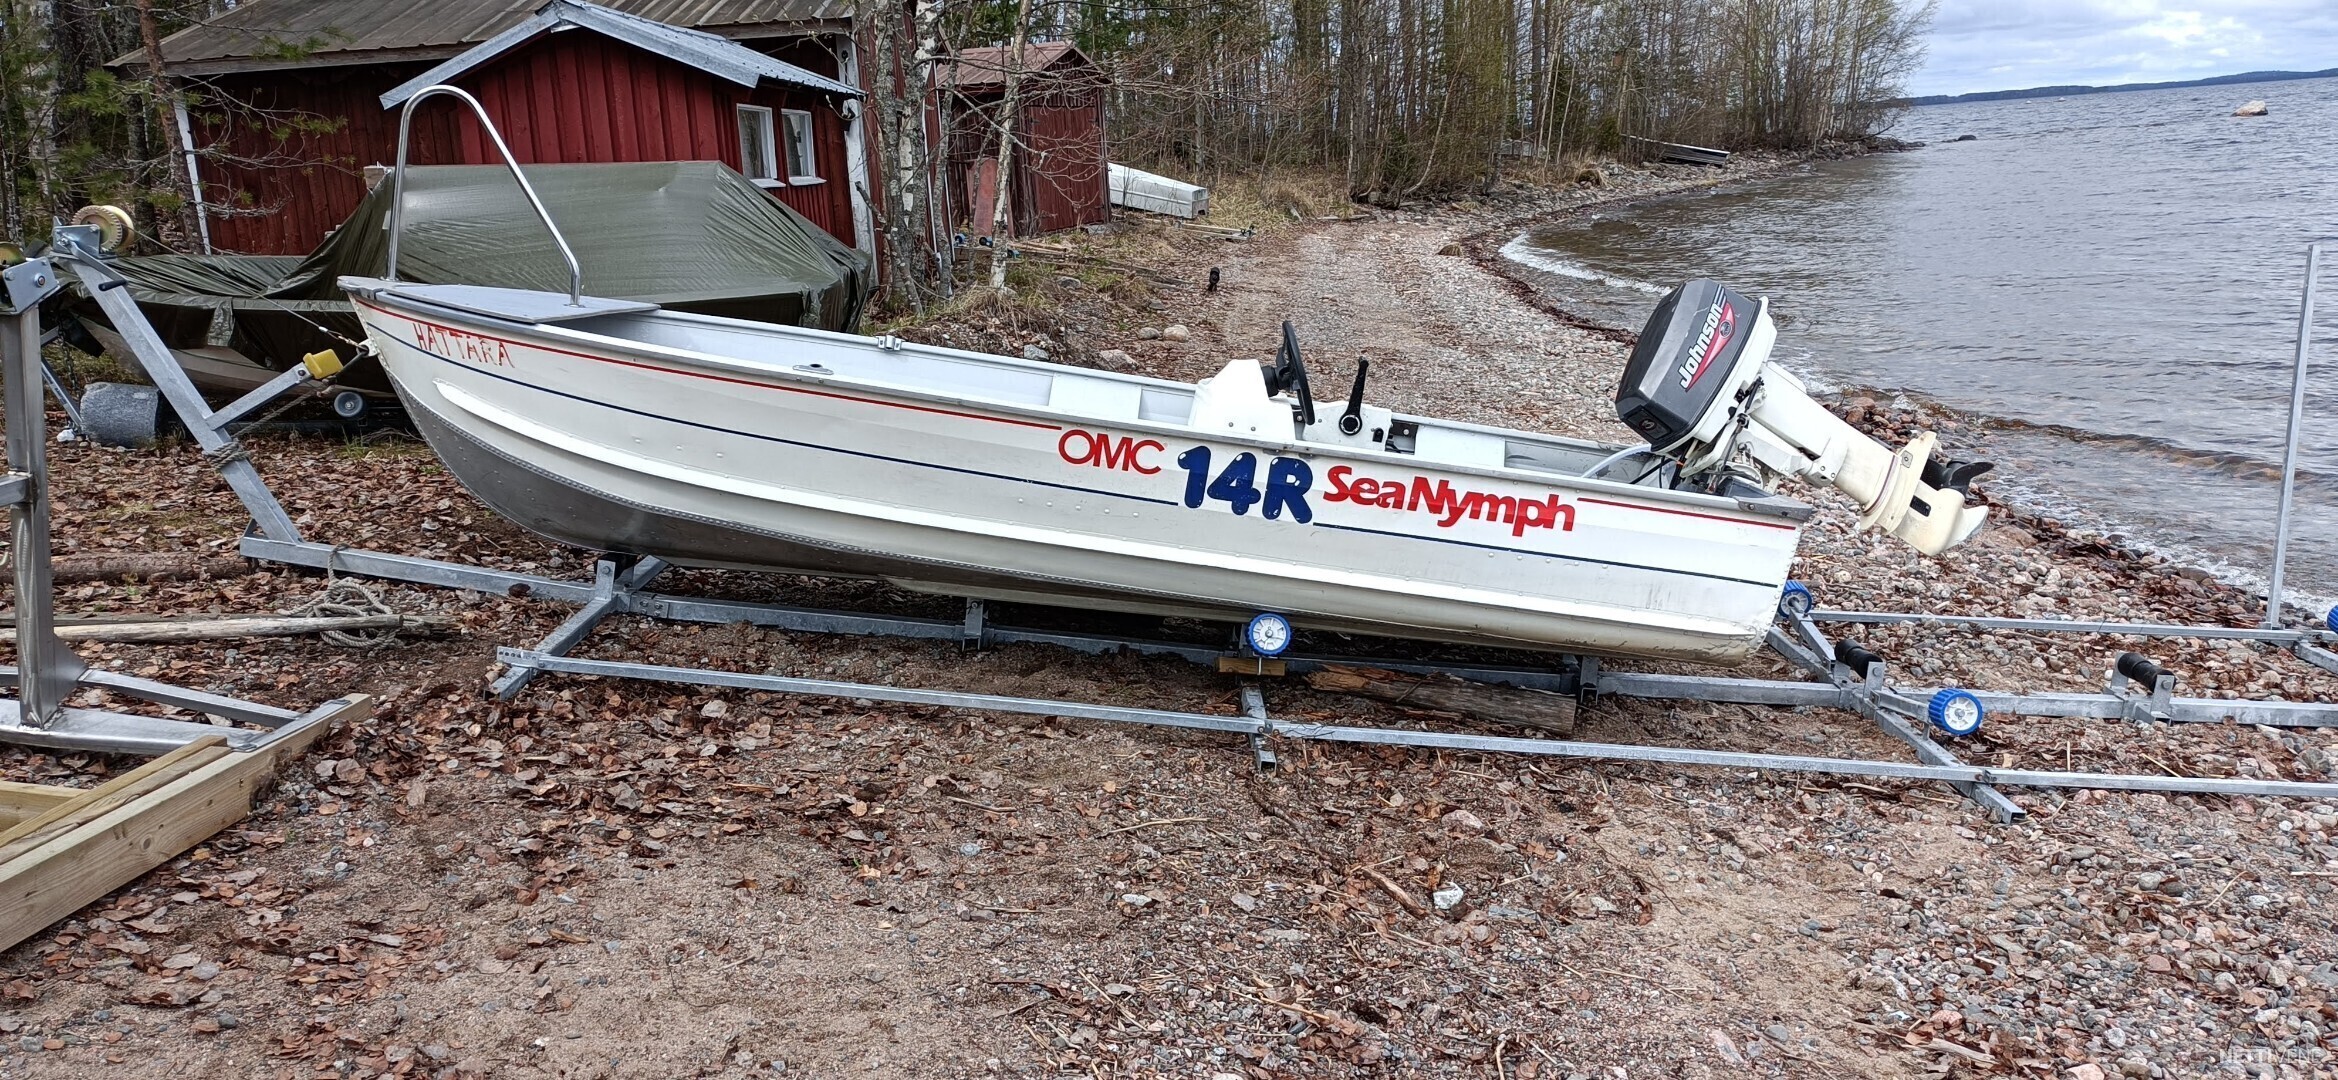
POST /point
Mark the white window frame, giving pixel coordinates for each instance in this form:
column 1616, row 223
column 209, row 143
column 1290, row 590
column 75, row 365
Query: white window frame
column 800, row 135
column 769, row 148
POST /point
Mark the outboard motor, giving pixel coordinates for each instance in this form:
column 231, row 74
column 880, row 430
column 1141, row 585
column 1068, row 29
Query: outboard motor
column 1701, row 389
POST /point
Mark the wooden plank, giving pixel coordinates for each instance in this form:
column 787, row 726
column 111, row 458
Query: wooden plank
column 71, row 869
column 625, row 124
column 232, row 626
column 1443, row 693
column 115, row 791
column 23, row 802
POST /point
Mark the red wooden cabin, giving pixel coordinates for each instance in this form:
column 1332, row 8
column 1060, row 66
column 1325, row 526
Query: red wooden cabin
column 1060, row 169
column 302, row 95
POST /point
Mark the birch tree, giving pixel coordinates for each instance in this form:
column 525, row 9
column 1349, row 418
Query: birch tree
column 1009, row 130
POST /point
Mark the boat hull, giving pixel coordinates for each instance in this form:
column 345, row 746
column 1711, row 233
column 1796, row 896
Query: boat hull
column 712, row 461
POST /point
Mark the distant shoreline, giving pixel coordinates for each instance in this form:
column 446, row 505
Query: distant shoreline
column 2243, row 78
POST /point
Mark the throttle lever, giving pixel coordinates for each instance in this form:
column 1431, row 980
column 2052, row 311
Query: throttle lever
column 1352, row 421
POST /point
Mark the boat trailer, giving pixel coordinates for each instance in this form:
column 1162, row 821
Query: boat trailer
column 63, row 847
column 1843, row 675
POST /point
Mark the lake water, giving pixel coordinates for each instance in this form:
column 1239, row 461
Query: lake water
column 2109, row 283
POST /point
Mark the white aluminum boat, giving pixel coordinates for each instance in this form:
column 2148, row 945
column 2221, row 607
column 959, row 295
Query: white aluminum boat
column 705, row 441
column 1137, row 189
column 716, row 442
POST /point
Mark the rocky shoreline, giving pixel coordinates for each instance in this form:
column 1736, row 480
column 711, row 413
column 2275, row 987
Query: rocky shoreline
column 1885, row 414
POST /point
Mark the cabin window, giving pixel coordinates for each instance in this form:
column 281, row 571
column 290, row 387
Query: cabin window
column 758, row 146
column 801, row 169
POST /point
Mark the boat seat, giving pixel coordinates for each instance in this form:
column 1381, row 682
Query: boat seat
column 1235, row 402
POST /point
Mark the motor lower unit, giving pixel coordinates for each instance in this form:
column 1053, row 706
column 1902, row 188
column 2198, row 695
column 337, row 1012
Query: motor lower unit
column 1701, row 389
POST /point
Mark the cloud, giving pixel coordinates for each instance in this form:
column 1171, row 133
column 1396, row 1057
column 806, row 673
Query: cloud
column 2007, row 44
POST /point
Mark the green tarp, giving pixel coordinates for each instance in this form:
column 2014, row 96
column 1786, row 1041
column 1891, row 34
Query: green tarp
column 687, row 235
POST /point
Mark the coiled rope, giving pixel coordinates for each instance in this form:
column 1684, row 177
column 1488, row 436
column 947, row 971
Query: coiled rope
column 348, row 596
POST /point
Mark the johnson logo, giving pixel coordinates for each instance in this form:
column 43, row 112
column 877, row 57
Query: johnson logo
column 1449, row 505
column 1720, row 326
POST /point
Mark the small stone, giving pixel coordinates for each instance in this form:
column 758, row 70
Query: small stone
column 2134, row 1066
column 1115, row 359
column 1446, row 898
column 1136, row 900
column 1603, row 905
column 1034, row 352
column 1450, row 249
column 1245, row 901
column 1148, row 333
column 2088, row 1071
column 1463, row 819
column 2254, row 108
column 716, row 709
column 182, row 961
column 1175, row 332
column 205, row 971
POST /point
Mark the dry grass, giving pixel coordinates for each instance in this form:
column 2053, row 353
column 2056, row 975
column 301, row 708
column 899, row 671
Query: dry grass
column 1277, row 201
column 1564, row 173
column 78, row 368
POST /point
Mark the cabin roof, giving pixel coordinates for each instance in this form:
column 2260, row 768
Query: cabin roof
column 720, row 57
column 289, row 34
column 985, row 68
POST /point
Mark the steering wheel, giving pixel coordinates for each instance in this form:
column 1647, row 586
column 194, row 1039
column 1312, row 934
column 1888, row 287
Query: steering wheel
column 1291, row 374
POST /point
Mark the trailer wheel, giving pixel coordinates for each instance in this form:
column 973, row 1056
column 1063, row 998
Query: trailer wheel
column 1795, row 602
column 1956, row 712
column 349, row 404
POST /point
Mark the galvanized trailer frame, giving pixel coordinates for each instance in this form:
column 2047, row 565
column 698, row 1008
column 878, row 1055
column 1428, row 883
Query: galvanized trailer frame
column 47, row 671
column 623, row 588
column 61, row 847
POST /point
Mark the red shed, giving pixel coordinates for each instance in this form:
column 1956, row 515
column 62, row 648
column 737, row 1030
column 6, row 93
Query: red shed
column 1060, row 164
column 302, row 95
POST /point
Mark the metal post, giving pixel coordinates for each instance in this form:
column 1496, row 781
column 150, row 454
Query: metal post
column 48, row 669
column 398, row 185
column 2297, row 414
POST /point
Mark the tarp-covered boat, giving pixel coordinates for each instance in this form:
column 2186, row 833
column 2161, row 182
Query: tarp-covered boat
column 687, row 236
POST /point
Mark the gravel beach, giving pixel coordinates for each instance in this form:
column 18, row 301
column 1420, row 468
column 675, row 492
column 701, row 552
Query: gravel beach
column 627, row 880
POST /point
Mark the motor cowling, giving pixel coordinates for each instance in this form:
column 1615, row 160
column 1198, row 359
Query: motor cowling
column 1701, row 389
column 1683, row 370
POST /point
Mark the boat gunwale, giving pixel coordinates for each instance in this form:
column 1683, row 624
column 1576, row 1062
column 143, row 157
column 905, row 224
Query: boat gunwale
column 1791, row 517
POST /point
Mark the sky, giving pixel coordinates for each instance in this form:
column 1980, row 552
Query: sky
column 2013, row 44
